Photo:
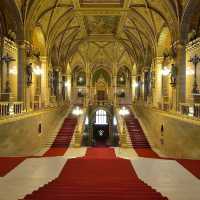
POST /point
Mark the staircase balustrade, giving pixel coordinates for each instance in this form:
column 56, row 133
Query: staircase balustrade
column 78, row 132
column 190, row 109
column 122, row 129
column 11, row 108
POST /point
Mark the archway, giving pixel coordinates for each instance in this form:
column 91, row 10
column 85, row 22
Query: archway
column 101, row 128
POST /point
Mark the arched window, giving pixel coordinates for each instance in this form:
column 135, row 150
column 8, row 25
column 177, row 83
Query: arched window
column 101, row 117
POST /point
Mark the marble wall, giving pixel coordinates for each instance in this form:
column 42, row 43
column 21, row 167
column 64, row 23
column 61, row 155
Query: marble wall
column 21, row 135
column 180, row 138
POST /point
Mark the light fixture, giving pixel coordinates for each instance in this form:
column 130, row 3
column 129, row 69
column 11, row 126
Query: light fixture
column 189, row 72
column 136, row 84
column 124, row 111
column 121, row 79
column 165, row 71
column 13, row 70
column 37, row 70
column 80, row 79
column 67, row 83
column 77, row 111
column 86, row 120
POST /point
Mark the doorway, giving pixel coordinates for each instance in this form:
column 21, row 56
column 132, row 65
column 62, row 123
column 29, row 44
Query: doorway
column 100, row 135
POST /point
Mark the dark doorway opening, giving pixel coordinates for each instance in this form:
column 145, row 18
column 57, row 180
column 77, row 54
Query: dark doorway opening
column 100, row 135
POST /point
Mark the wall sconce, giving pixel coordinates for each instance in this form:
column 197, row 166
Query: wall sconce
column 37, row 70
column 13, row 70
column 189, row 72
column 165, row 71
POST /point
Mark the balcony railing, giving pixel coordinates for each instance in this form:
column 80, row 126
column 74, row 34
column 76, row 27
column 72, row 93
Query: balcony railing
column 11, row 108
column 190, row 109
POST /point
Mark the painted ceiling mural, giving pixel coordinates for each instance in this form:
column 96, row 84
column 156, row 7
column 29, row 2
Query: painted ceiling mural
column 101, row 24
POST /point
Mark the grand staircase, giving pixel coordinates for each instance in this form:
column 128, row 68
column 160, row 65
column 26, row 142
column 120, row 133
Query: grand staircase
column 138, row 140
column 136, row 133
column 97, row 176
column 63, row 138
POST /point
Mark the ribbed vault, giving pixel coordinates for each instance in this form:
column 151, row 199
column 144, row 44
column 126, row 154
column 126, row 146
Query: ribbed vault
column 134, row 25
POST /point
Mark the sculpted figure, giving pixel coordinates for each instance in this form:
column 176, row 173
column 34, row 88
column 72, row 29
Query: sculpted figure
column 173, row 74
column 29, row 71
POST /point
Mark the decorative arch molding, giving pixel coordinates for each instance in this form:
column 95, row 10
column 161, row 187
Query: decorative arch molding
column 164, row 40
column 188, row 12
column 101, row 70
column 38, row 39
column 10, row 8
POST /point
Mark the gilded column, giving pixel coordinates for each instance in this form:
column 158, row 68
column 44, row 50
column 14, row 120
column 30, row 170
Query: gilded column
column 157, row 91
column 22, row 71
column 44, row 81
column 180, row 63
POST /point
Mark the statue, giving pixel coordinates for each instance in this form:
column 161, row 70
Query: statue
column 173, row 74
column 51, row 80
column 192, row 35
column 29, row 71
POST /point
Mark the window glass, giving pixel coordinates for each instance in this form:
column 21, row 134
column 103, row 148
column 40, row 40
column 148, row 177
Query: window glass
column 101, row 117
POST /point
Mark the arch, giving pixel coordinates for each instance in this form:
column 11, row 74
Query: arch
column 101, row 72
column 164, row 41
column 38, row 40
column 191, row 6
column 10, row 9
column 92, row 114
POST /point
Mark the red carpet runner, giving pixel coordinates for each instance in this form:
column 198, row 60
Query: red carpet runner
column 97, row 178
column 7, row 164
column 138, row 138
column 63, row 139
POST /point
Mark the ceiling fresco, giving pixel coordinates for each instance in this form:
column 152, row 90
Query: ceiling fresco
column 101, row 24
column 101, row 1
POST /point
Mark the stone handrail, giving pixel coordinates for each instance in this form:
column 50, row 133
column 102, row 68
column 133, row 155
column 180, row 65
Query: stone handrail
column 190, row 109
column 11, row 108
column 78, row 132
column 122, row 129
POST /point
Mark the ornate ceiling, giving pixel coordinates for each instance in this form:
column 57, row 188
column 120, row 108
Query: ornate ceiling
column 138, row 27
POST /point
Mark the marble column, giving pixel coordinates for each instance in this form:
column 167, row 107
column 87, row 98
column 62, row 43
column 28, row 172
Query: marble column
column 88, row 82
column 133, row 87
column 157, row 91
column 22, row 72
column 180, row 63
column 44, row 82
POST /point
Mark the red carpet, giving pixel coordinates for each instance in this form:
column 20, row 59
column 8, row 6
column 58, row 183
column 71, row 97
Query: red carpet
column 7, row 164
column 63, row 139
column 138, row 138
column 97, row 178
column 147, row 153
column 100, row 153
column 191, row 165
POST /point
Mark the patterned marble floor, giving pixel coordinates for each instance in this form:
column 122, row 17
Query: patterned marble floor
column 166, row 176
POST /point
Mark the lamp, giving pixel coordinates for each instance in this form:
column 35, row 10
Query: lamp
column 77, row 111
column 136, row 84
column 165, row 71
column 37, row 70
column 124, row 111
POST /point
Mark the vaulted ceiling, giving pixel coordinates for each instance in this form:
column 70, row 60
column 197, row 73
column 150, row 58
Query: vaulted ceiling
column 134, row 26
